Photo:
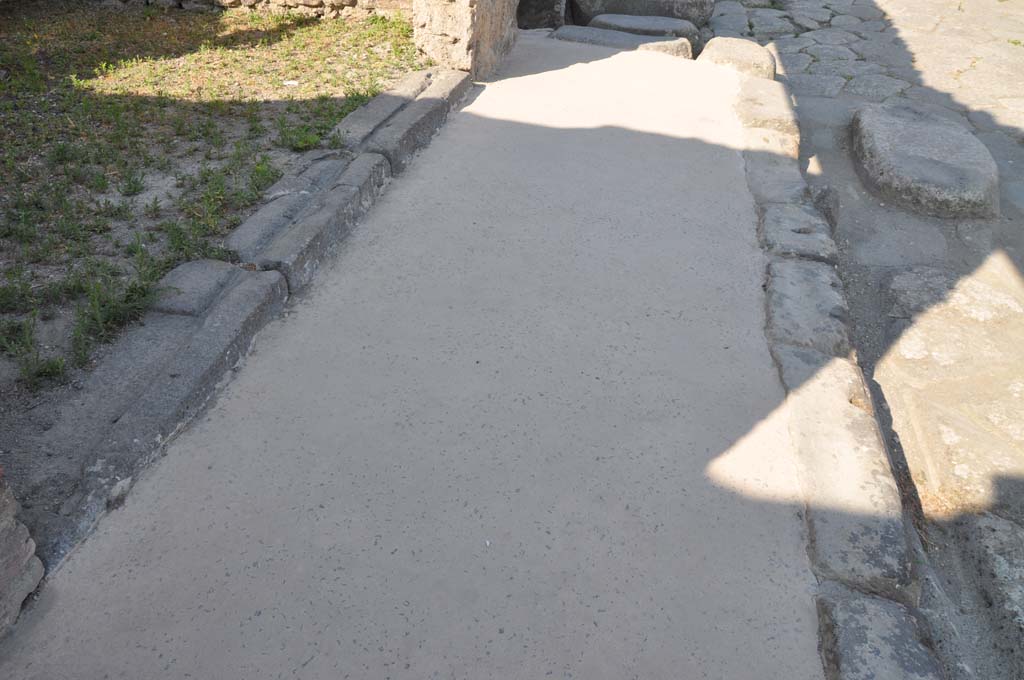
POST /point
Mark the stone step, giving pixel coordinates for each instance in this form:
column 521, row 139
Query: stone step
column 606, row 38
column 695, row 11
column 645, row 25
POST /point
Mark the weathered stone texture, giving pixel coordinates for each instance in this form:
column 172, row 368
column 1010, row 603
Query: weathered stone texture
column 924, row 162
column 953, row 383
column 468, row 35
column 20, row 569
column 324, row 8
column 695, row 11
column 743, row 55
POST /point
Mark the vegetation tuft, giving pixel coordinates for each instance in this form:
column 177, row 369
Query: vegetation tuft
column 136, row 139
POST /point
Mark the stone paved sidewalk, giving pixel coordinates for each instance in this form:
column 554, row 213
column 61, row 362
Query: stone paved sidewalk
column 527, row 425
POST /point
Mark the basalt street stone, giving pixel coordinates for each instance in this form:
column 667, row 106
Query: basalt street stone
column 853, row 506
column 764, row 103
column 604, row 37
column 696, row 11
column 663, row 26
column 20, row 569
column 806, row 306
column 797, row 230
column 923, row 162
column 743, row 55
column 997, row 547
column 677, row 47
column 868, row 638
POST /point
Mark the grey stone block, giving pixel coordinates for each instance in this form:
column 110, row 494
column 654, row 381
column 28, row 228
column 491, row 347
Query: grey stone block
column 831, row 53
column 768, row 27
column 357, row 126
column 924, row 162
column 190, row 287
column 797, row 230
column 806, row 306
column 844, row 68
column 314, row 235
column 792, row 45
column 157, row 376
column 604, row 37
column 656, row 26
column 724, row 7
column 773, row 178
column 20, row 569
column 815, row 85
column 743, row 55
column 996, row 546
column 793, row 62
column 677, row 47
column 412, row 128
column 854, row 514
column 287, row 198
column 870, row 638
column 696, row 11
column 730, row 25
column 764, row 103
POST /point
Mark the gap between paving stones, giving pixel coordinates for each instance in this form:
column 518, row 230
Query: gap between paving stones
column 859, row 538
column 163, row 372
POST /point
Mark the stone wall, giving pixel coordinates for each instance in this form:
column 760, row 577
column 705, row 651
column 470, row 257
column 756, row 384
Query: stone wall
column 328, row 8
column 20, row 569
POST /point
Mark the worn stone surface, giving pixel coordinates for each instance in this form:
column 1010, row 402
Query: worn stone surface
column 695, row 11
column 20, row 569
column 604, row 37
column 875, row 87
column 806, row 306
column 766, row 103
column 680, row 28
column 869, row 638
column 468, row 35
column 743, row 55
column 412, row 128
column 815, row 85
column 924, row 162
column 676, row 47
column 854, row 513
column 996, row 548
column 955, row 388
column 316, row 233
column 356, row 127
column 190, row 287
column 797, row 230
column 730, row 25
column 774, row 178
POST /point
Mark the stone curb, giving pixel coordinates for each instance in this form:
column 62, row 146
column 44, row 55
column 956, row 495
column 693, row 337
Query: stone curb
column 162, row 373
column 857, row 535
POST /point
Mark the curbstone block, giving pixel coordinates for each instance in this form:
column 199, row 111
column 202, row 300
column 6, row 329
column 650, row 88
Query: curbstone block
column 313, row 236
column 288, row 197
column 798, row 231
column 412, row 128
column 357, row 126
column 679, row 47
column 745, row 56
column 190, row 287
column 996, row 546
column 854, row 513
column 806, row 306
column 766, row 104
column 773, row 178
column 178, row 383
column 20, row 569
column 869, row 638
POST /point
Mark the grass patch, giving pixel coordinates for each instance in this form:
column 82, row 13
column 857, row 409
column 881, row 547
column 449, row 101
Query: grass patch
column 136, row 139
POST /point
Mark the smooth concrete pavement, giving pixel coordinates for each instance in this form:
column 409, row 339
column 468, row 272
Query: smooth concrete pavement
column 525, row 426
